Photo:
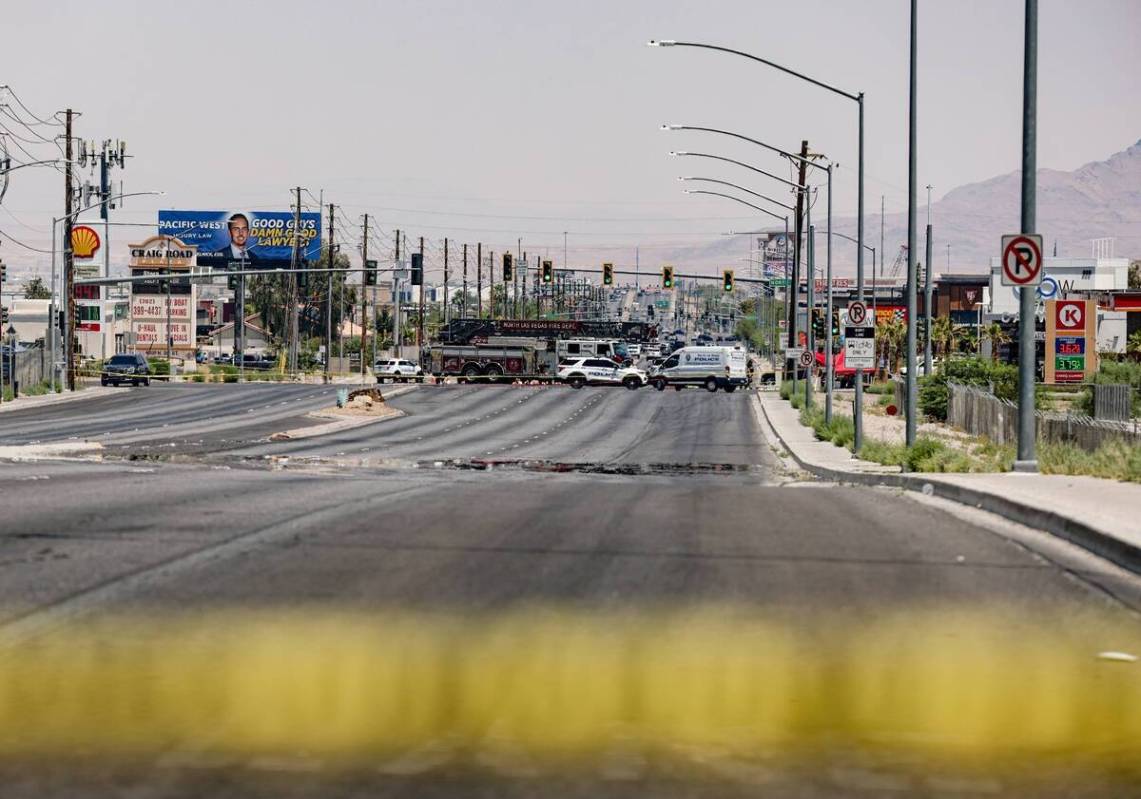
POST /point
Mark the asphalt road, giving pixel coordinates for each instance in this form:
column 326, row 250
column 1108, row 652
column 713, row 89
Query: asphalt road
column 612, row 500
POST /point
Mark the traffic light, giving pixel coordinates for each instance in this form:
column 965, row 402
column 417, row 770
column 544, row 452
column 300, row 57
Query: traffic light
column 507, row 268
column 4, row 315
column 548, row 272
column 232, row 282
column 3, row 271
column 727, row 280
column 835, row 323
column 418, row 269
column 370, row 273
column 818, row 331
column 667, row 277
column 608, row 274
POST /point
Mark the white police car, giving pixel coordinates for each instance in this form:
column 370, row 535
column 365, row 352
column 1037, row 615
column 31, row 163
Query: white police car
column 600, row 371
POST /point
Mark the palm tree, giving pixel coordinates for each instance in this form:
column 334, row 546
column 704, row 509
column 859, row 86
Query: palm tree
column 1133, row 344
column 943, row 334
column 893, row 334
column 997, row 337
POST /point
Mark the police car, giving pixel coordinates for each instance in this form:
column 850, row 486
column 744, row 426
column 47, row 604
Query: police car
column 600, row 371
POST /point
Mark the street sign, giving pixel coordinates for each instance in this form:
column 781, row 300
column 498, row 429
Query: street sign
column 860, row 347
column 1021, row 260
column 857, row 314
column 804, row 359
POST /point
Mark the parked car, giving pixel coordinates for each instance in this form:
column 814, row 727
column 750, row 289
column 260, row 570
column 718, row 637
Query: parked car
column 398, row 370
column 252, row 360
column 600, row 371
column 126, row 367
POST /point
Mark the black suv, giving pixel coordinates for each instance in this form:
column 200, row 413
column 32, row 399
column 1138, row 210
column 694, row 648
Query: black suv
column 128, row 367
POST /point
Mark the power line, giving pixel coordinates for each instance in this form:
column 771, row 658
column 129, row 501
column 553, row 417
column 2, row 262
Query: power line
column 25, row 246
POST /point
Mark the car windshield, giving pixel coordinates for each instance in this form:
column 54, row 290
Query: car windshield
column 123, row 360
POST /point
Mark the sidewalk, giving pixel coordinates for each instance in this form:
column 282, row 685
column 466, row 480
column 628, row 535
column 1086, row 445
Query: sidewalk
column 54, row 399
column 1095, row 514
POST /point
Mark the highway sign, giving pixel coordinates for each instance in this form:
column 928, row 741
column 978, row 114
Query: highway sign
column 860, row 347
column 857, row 314
column 804, row 359
column 1021, row 260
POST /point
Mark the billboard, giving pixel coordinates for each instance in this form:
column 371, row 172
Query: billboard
column 264, row 237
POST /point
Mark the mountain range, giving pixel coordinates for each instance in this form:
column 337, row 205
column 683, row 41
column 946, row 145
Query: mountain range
column 1101, row 199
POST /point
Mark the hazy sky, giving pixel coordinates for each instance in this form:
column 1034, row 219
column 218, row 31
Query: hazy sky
column 489, row 121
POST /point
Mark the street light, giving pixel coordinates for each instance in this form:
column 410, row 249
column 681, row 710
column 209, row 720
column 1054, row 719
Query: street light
column 792, row 333
column 858, row 98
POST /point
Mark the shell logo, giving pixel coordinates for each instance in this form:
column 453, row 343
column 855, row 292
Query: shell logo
column 84, row 241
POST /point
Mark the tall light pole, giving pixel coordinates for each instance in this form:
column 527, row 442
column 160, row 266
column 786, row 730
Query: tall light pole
column 910, row 402
column 858, row 98
column 1027, row 460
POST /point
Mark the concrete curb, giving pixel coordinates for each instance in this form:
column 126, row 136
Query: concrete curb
column 40, row 400
column 1076, row 532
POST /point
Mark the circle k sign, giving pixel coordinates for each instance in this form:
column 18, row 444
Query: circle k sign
column 1070, row 315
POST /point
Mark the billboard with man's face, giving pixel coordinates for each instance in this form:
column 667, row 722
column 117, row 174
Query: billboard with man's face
column 260, row 238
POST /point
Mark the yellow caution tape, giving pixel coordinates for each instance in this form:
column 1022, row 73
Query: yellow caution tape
column 573, row 683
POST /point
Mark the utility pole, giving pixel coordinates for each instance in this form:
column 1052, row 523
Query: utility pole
column 463, row 313
column 479, row 280
column 364, row 298
column 446, row 297
column 295, row 263
column 68, row 257
column 420, row 321
column 1027, row 460
column 927, row 294
column 329, row 295
column 794, row 283
column 911, row 394
column 396, row 327
column 491, row 282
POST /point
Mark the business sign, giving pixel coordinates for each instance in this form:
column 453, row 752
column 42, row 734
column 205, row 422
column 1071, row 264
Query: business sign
column 85, row 242
column 886, row 314
column 261, row 238
column 860, row 347
column 150, row 321
column 1071, row 349
column 163, row 252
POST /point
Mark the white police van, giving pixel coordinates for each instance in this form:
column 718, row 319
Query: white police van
column 711, row 367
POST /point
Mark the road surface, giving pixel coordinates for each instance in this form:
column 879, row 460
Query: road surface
column 610, row 500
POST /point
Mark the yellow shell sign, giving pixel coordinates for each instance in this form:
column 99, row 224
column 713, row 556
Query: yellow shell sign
column 84, row 241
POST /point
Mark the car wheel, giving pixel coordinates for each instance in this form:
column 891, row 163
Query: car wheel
column 632, row 383
column 660, row 385
column 711, row 385
column 730, row 389
column 103, row 381
column 678, row 387
column 578, row 381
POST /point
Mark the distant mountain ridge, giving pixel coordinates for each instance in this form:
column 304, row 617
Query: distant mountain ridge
column 1101, row 199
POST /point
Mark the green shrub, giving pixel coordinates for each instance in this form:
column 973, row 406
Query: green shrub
column 198, row 377
column 1002, row 378
column 1115, row 460
column 160, row 367
column 785, row 390
column 1113, row 373
column 887, row 388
